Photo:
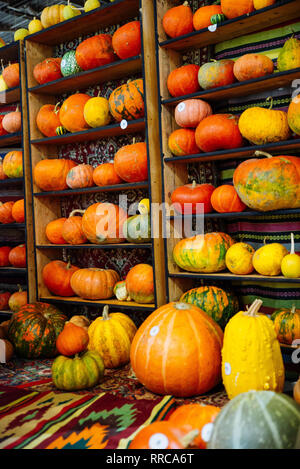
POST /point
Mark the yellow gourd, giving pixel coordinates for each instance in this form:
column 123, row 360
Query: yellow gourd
column 35, row 26
column 238, row 259
column 258, row 4
column 52, row 15
column 21, row 34
column 267, row 259
column 96, row 112
column 70, row 11
column 91, row 5
column 251, row 355
column 290, row 265
column 261, row 126
column 3, row 85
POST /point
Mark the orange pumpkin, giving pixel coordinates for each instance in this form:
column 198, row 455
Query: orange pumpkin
column 225, row 199
column 182, row 142
column 17, row 256
column 218, row 132
column 72, row 339
column 102, row 223
column 216, row 73
column 162, row 435
column 126, row 40
column 251, row 66
column 47, row 70
column 11, row 75
column 4, row 297
column 18, row 211
column 2, row 174
column 80, row 176
column 4, row 256
column 201, row 18
column 178, row 21
column 95, row 52
column 12, row 122
column 71, row 113
column 196, row 417
column 233, row 9
column 54, row 231
column 105, row 175
column 190, row 112
column 127, row 101
column 57, row 277
column 47, row 120
column 94, row 284
column 72, row 231
column 6, row 212
column 131, row 162
column 51, row 174
column 13, row 164
column 187, row 197
column 17, row 300
column 183, row 80
column 178, row 333
column 140, row 284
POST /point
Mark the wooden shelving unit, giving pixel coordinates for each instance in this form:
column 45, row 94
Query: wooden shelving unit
column 48, row 206
column 171, row 54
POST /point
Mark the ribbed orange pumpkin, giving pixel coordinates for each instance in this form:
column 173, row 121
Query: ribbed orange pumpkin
column 131, row 162
column 201, row 18
column 102, row 223
column 80, row 176
column 185, row 198
column 140, row 284
column 218, row 132
column 183, row 80
column 126, row 41
column 225, row 199
column 11, row 75
column 72, row 339
column 182, row 142
column 178, row 20
column 17, row 256
column 18, row 211
column 54, row 231
column 177, row 351
column 6, row 212
column 72, row 231
column 95, row 52
column 251, row 66
column 94, row 284
column 127, row 101
column 233, row 8
column 47, row 70
column 190, row 112
column 57, row 277
column 71, row 113
column 47, row 120
column 106, row 175
column 51, row 174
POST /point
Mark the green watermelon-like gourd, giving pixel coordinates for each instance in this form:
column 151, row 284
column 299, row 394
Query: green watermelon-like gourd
column 214, row 301
column 69, row 65
column 33, row 330
column 289, row 55
column 218, row 18
column 257, row 420
column 137, row 229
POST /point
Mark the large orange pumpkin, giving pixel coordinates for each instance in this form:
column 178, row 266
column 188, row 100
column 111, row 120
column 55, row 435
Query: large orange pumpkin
column 47, row 120
column 94, row 284
column 71, row 113
column 105, row 175
column 51, row 174
column 17, row 256
column 218, row 132
column 183, row 80
column 131, row 162
column 72, row 231
column 127, row 101
column 95, row 52
column 57, row 277
column 102, row 223
column 177, row 351
column 18, row 211
column 54, row 231
column 126, row 41
column 6, row 212
column 178, row 21
column 140, row 284
column 233, row 8
column 201, row 18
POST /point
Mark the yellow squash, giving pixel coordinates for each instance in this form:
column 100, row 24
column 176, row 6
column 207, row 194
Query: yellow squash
column 52, row 15
column 251, row 355
column 290, row 265
column 267, row 259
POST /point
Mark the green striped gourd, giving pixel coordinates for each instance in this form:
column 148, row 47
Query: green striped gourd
column 69, row 65
column 217, row 19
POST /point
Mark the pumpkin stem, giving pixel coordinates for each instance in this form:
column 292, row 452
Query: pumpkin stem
column 56, row 106
column 20, row 288
column 254, row 308
column 265, row 238
column 188, row 439
column 293, row 310
column 185, row 4
column 105, row 314
column 76, row 211
column 270, row 98
column 262, row 153
column 292, row 244
column 133, row 140
column 194, row 184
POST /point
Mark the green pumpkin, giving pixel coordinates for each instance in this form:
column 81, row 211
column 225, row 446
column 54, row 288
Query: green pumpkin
column 83, row 371
column 217, row 19
column 69, row 65
column 61, row 130
column 257, row 420
column 137, row 229
column 214, row 301
column 33, row 330
column 289, row 55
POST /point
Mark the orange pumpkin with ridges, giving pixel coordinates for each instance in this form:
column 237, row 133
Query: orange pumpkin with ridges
column 106, row 175
column 218, row 132
column 54, row 231
column 47, row 120
column 80, row 176
column 6, row 212
column 11, row 75
column 127, row 101
column 178, row 20
column 190, row 112
column 183, row 80
column 95, row 52
column 251, row 66
column 17, row 256
column 131, row 162
column 47, row 70
column 18, row 211
column 126, row 40
column 94, row 284
column 71, row 113
column 178, row 333
column 57, row 277
column 232, row 8
column 140, row 284
column 182, row 142
column 225, row 199
column 51, row 174
column 185, row 198
column 72, row 231
column 72, row 339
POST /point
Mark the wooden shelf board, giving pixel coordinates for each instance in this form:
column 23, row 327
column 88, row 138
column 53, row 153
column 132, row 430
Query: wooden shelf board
column 112, row 303
column 232, row 277
column 10, row 139
column 12, row 271
column 83, row 80
column 237, row 90
column 11, row 182
column 245, row 214
column 96, row 246
column 15, row 226
column 280, row 12
column 243, row 152
column 107, row 15
column 113, row 130
column 94, row 189
column 8, row 312
column 10, row 96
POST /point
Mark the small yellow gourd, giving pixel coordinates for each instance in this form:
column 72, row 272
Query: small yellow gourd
column 238, row 259
column 3, row 85
column 259, row 4
column 251, row 355
column 35, row 26
column 267, row 259
column 91, row 5
column 96, row 112
column 290, row 265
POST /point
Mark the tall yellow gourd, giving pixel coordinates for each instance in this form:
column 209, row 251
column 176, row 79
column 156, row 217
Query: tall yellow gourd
column 251, row 355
